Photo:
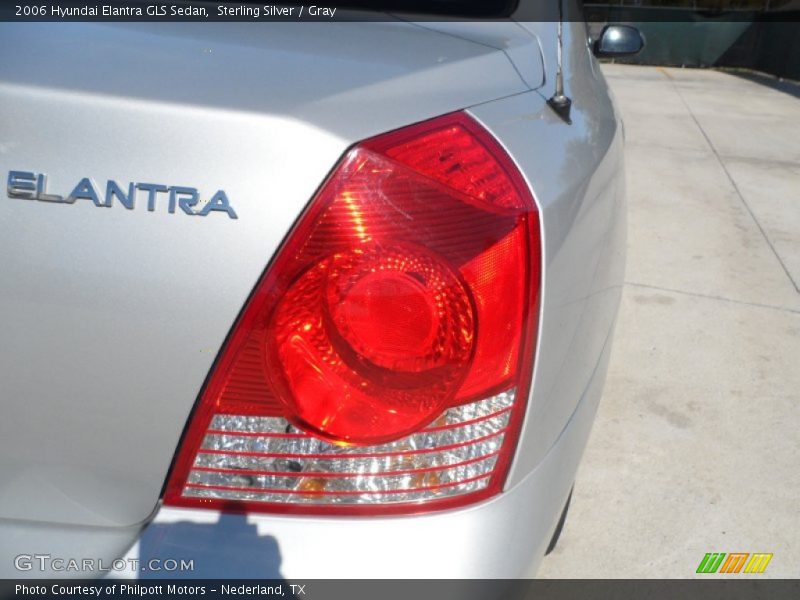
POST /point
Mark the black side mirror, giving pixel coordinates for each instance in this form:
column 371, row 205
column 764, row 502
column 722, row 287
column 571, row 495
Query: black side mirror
column 618, row 40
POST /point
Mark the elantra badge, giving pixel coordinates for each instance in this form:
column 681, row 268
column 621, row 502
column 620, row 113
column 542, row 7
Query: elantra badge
column 33, row 186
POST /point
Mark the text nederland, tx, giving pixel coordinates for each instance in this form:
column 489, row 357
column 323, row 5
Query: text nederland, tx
column 138, row 590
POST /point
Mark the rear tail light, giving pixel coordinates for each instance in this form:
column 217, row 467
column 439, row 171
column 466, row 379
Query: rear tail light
column 384, row 360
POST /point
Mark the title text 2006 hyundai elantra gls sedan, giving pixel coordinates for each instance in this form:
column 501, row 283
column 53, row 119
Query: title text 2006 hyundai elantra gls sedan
column 302, row 300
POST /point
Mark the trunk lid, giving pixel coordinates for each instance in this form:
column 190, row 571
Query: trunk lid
column 113, row 316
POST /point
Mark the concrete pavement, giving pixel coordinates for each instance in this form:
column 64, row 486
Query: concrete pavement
column 696, row 447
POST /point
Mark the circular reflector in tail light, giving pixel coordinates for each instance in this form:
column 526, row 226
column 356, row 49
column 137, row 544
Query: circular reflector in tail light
column 369, row 344
column 384, row 360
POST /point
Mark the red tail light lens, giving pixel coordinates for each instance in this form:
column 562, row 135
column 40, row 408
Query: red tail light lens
column 384, row 360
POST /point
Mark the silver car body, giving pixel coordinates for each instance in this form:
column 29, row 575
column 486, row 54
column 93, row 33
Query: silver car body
column 112, row 318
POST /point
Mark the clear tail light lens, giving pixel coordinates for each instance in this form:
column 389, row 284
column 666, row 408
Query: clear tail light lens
column 384, row 360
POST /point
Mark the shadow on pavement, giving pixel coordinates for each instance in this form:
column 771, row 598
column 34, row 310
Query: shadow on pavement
column 781, row 85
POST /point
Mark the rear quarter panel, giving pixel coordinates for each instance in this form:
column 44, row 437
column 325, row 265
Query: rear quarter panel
column 577, row 176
